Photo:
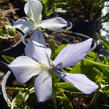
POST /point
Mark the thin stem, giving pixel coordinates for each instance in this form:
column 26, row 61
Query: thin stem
column 96, row 63
column 67, row 99
column 17, row 88
column 4, row 88
column 94, row 96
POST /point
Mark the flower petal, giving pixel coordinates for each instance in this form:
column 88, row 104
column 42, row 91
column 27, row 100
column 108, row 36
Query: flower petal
column 80, row 81
column 24, row 68
column 43, row 86
column 38, row 37
column 33, row 9
column 72, row 54
column 39, row 52
column 105, row 29
column 54, row 23
column 24, row 25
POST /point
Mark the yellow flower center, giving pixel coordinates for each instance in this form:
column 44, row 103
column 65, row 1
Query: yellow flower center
column 44, row 67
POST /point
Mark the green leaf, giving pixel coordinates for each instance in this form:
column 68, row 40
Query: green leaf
column 44, row 1
column 11, row 32
column 9, row 59
column 59, row 48
column 66, row 86
column 52, row 46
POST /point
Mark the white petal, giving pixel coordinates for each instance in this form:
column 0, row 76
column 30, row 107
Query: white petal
column 38, row 52
column 24, row 68
column 43, row 86
column 33, row 9
column 72, row 54
column 38, row 37
column 80, row 81
column 24, row 25
column 105, row 26
column 54, row 24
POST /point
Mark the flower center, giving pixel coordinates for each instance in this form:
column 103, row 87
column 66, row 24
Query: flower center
column 44, row 67
column 47, row 67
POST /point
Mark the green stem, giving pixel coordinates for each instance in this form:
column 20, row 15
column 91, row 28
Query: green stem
column 67, row 99
column 17, row 88
column 21, row 89
column 96, row 63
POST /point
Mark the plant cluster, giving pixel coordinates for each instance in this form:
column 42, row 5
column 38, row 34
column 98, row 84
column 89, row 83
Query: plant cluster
column 70, row 76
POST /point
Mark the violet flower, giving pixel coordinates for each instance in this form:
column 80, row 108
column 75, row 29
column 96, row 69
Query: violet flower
column 37, row 62
column 33, row 9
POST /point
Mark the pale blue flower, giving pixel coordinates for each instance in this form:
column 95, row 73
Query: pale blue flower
column 33, row 9
column 37, row 62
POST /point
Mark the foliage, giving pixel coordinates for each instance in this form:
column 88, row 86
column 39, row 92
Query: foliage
column 95, row 68
column 6, row 33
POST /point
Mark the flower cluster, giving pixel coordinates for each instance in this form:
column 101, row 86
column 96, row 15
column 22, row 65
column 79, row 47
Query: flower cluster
column 33, row 9
column 37, row 61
